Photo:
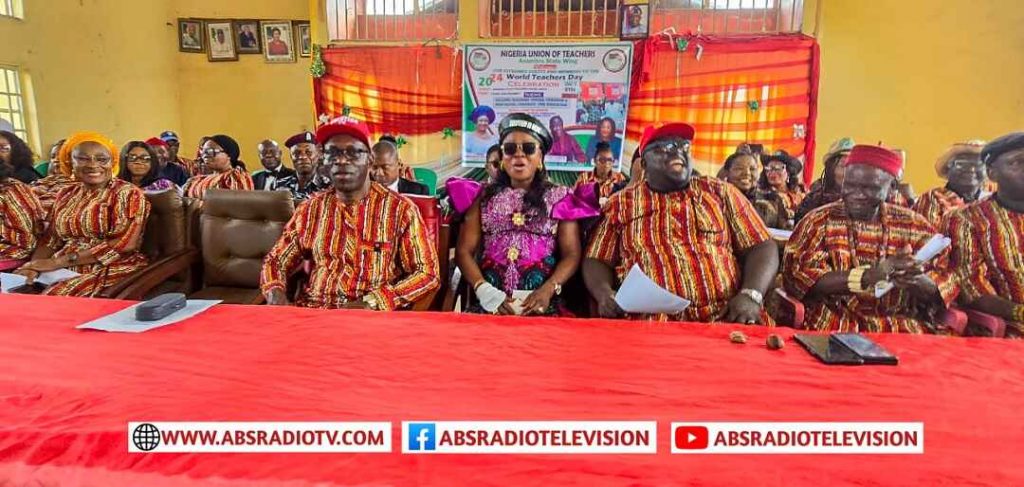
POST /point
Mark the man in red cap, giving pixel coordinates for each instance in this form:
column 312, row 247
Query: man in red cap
column 368, row 245
column 171, row 172
column 697, row 237
column 841, row 256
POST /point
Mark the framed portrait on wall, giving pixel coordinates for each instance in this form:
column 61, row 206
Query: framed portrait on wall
column 190, row 35
column 278, row 41
column 220, row 37
column 636, row 20
column 247, row 36
column 303, row 38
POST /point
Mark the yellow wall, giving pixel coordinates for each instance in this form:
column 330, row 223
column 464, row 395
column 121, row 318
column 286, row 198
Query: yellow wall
column 114, row 66
column 920, row 75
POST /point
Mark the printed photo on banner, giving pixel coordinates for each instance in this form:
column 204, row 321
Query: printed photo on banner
column 305, row 40
column 635, row 21
column 581, row 91
column 278, row 41
column 247, row 33
column 190, row 35
column 221, row 39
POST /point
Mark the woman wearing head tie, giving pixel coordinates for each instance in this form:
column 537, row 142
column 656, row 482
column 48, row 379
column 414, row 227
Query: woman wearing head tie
column 516, row 235
column 220, row 157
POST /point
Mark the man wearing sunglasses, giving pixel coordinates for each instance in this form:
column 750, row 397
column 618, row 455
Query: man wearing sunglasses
column 368, row 246
column 697, row 237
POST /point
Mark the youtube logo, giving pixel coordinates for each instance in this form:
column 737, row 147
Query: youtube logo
column 689, row 437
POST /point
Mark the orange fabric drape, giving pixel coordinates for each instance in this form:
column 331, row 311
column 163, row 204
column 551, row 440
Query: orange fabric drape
column 714, row 93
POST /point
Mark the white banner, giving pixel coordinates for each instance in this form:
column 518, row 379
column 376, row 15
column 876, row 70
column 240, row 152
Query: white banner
column 250, row 437
column 529, row 437
column 745, row 438
column 580, row 91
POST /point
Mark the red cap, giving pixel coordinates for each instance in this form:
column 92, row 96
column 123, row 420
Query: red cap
column 344, row 125
column 155, row 141
column 682, row 130
column 873, row 155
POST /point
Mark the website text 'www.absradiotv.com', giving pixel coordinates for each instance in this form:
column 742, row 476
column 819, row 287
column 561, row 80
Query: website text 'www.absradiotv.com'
column 526, row 437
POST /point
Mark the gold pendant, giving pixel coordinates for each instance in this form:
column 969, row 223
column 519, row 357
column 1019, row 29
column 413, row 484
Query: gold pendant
column 513, row 254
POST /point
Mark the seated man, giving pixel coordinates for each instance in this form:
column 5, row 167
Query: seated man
column 840, row 252
column 988, row 237
column 273, row 170
column 697, row 237
column 305, row 156
column 387, row 169
column 368, row 246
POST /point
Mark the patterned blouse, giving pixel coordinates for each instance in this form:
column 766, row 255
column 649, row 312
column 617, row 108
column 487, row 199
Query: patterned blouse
column 46, row 189
column 235, row 179
column 987, row 243
column 22, row 220
column 686, row 241
column 828, row 240
column 108, row 223
column 377, row 246
column 606, row 187
column 937, row 203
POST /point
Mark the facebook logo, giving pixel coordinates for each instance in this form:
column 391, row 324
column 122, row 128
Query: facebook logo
column 422, row 436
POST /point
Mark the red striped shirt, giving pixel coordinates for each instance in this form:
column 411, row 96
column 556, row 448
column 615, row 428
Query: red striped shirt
column 22, row 219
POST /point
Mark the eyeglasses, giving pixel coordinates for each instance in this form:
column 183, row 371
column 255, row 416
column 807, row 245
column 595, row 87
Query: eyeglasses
column 5, row 148
column 670, row 149
column 353, row 154
column 965, row 165
column 511, row 148
column 211, row 152
column 606, row 160
column 135, row 158
column 774, row 169
column 84, row 159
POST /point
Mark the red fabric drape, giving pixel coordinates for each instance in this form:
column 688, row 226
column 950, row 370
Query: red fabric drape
column 408, row 90
column 713, row 92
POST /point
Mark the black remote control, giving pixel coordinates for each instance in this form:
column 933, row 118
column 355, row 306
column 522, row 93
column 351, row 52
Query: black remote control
column 160, row 307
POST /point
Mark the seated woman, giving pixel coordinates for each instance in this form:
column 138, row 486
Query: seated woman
column 96, row 224
column 140, row 166
column 525, row 247
column 782, row 173
column 58, row 173
column 15, row 154
column 965, row 177
column 22, row 219
column 742, row 171
column 223, row 169
column 827, row 188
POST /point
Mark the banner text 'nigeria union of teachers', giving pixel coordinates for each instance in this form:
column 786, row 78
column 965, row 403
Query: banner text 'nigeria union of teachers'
column 580, row 91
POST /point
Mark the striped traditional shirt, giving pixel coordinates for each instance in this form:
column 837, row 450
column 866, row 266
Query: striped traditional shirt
column 22, row 220
column 377, row 246
column 935, row 204
column 686, row 241
column 827, row 240
column 236, row 179
column 106, row 222
column 987, row 255
column 604, row 188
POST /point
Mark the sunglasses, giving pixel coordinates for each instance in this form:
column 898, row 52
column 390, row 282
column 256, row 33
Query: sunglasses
column 512, row 148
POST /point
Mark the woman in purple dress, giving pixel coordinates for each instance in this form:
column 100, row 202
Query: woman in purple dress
column 510, row 240
column 141, row 167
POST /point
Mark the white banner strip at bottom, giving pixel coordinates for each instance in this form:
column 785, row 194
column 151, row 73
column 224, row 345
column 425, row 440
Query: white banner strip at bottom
column 259, row 437
column 743, row 438
column 519, row 437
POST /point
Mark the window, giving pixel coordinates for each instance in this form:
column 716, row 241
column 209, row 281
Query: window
column 11, row 8
column 725, row 17
column 391, row 20
column 552, row 18
column 12, row 102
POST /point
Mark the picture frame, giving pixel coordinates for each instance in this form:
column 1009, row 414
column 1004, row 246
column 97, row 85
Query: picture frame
column 278, row 41
column 247, row 36
column 220, row 39
column 190, row 36
column 303, row 38
column 636, row 21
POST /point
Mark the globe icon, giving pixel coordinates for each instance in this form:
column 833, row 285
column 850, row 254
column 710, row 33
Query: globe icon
column 146, row 437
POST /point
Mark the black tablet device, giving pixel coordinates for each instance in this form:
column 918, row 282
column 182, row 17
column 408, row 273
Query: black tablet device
column 869, row 351
column 822, row 348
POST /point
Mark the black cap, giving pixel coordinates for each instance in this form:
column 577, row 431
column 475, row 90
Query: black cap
column 526, row 123
column 1001, row 145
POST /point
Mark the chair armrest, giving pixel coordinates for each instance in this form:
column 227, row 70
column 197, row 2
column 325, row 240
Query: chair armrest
column 791, row 310
column 955, row 320
column 136, row 286
column 984, row 324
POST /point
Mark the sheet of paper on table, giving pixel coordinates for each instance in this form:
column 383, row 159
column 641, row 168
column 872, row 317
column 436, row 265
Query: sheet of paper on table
column 928, row 251
column 124, row 321
column 639, row 294
column 9, row 281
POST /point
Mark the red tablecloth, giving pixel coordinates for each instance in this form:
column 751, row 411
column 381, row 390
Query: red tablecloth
column 66, row 396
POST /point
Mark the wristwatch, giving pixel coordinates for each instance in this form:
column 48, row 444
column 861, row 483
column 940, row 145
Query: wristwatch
column 754, row 295
column 72, row 258
column 558, row 289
